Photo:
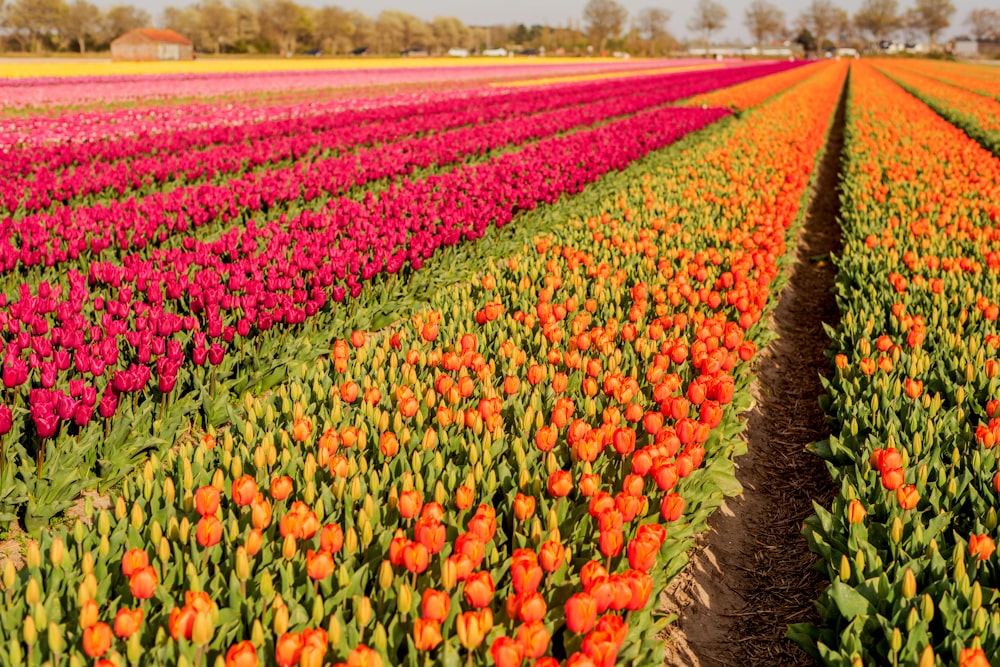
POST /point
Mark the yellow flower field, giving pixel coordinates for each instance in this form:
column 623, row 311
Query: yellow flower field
column 70, row 68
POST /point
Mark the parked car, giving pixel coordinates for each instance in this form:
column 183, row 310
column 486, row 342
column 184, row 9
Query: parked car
column 458, row 53
column 500, row 52
column 360, row 51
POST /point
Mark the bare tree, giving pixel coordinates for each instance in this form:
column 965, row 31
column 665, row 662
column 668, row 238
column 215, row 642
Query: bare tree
column 880, row 18
column 652, row 23
column 83, row 20
column 985, row 23
column 709, row 17
column 935, row 16
column 912, row 24
column 821, row 18
column 605, row 19
column 763, row 20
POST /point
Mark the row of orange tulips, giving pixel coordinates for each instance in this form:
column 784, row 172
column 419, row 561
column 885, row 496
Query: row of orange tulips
column 909, row 544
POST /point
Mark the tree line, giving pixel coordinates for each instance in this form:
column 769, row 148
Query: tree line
column 285, row 26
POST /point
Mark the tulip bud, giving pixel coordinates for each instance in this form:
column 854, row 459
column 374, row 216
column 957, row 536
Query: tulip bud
column 896, row 531
column 120, row 508
column 257, row 633
column 288, row 547
column 184, row 530
column 845, row 569
column 896, row 642
column 927, row 608
column 317, row 609
column 909, row 587
column 363, row 609
column 927, row 657
column 242, row 564
column 385, row 575
column 57, row 551
column 267, row 584
column 203, row 629
column 281, row 620
column 9, row 575
column 134, row 649
column 976, row 600
column 33, row 556
column 33, row 592
column 912, row 619
column 334, row 632
column 28, row 630
column 55, row 636
column 104, row 546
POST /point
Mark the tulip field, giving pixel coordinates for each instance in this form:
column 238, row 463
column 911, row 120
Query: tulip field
column 452, row 370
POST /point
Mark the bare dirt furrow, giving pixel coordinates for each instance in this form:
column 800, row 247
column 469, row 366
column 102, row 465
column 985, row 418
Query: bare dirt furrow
column 752, row 574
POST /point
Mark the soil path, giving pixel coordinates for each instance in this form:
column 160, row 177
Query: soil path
column 752, row 575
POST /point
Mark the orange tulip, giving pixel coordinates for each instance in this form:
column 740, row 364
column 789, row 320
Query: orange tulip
column 133, row 560
column 551, row 555
column 388, row 444
column 242, row 654
column 642, row 553
column 181, row 622
column 206, row 500
column 507, row 652
column 530, row 606
column 260, row 512
column 244, row 490
column 208, row 531
column 479, row 589
column 434, row 605
column 426, row 634
column 524, row 506
column 464, row 497
column 907, row 496
column 526, row 575
column 143, row 583
column 560, row 483
column 415, row 557
column 581, row 613
column 410, row 503
column 430, row 533
column 362, row 656
column 534, row 639
column 973, row 657
column 288, row 649
column 301, row 430
column 281, row 487
column 981, row 546
column 672, row 507
column 472, row 627
column 255, row 540
column 89, row 614
column 97, row 640
column 331, row 538
column 319, row 565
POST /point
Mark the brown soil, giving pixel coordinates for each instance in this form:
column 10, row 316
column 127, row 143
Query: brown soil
column 752, row 574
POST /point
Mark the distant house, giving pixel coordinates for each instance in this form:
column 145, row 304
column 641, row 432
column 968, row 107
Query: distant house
column 965, row 48
column 146, row 44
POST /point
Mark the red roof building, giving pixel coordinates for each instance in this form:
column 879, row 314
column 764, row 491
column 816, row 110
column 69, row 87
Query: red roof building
column 147, row 44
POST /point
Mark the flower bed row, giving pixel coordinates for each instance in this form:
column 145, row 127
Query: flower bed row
column 96, row 89
column 982, row 79
column 744, row 97
column 979, row 116
column 511, row 475
column 909, row 541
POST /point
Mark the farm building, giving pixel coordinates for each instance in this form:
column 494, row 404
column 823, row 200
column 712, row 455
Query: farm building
column 148, row 44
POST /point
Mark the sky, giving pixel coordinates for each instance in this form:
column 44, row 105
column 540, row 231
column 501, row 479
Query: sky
column 557, row 12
